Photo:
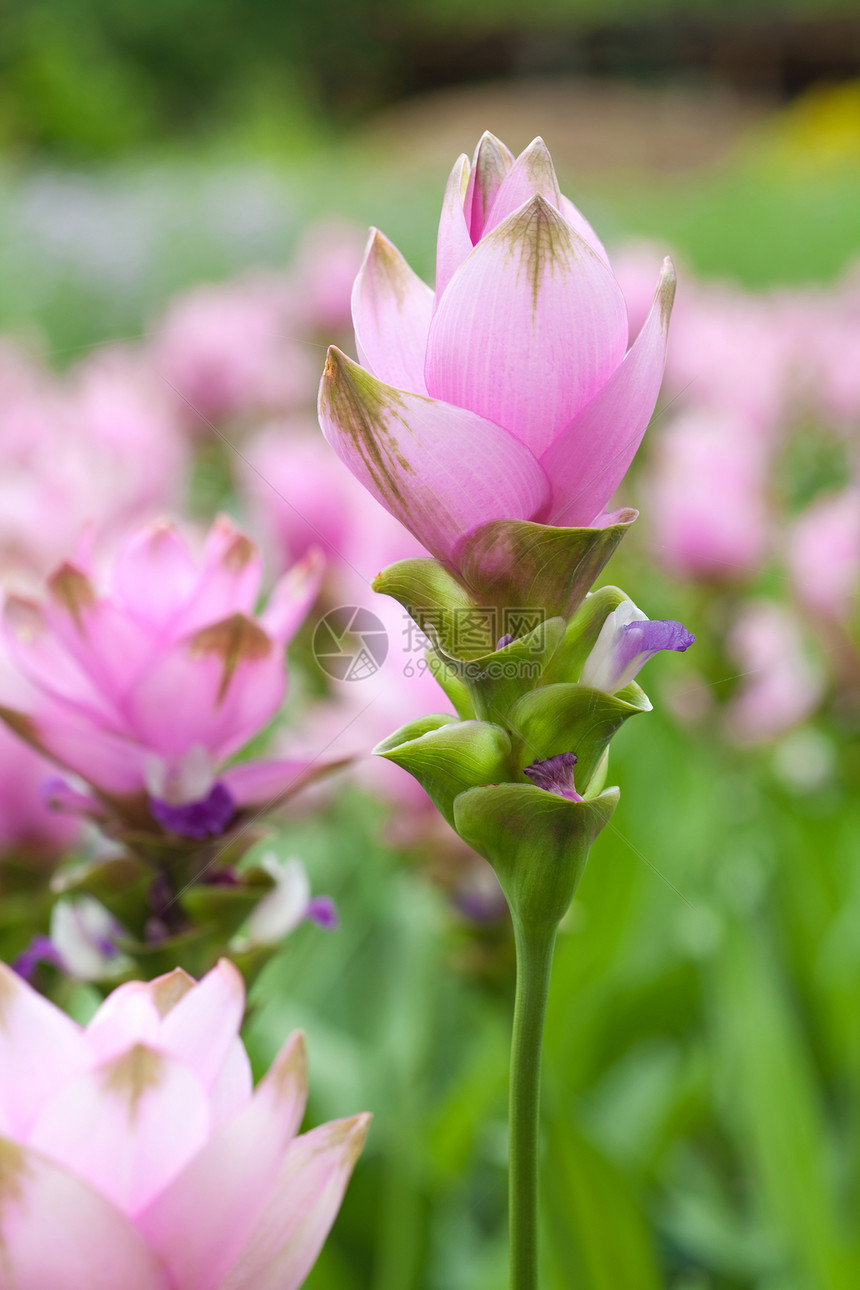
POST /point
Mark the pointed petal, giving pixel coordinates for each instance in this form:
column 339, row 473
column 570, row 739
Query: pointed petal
column 259, row 783
column 229, row 581
column 453, row 242
column 201, row 1028
column 293, row 595
column 57, row 1231
column 580, row 225
column 216, row 688
column 154, row 575
column 40, row 1050
column 590, row 457
column 439, row 470
column 391, row 311
column 531, row 175
column 491, row 164
column 233, row 1089
column 128, row 1127
column 201, row 1221
column 107, row 761
column 127, row 1017
column 531, row 327
column 45, row 661
column 290, row 1232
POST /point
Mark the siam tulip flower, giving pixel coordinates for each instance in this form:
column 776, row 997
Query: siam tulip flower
column 138, row 1145
column 507, row 394
column 627, row 640
column 231, row 350
column 82, row 942
column 148, row 688
column 781, row 685
column 824, row 554
column 708, row 491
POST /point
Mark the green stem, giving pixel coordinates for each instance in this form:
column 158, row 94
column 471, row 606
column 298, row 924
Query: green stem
column 534, row 962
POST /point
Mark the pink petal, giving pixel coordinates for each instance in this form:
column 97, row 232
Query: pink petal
column 45, row 661
column 255, row 783
column 56, row 1233
column 111, row 763
column 229, row 581
column 530, row 328
column 234, row 1086
column 590, row 457
column 202, row 1027
column 128, row 1127
column 154, row 575
column 291, row 1230
column 40, row 1050
column 293, row 595
column 127, row 1017
column 201, row 1221
column 531, row 175
column 216, row 688
column 109, row 646
column 491, row 163
column 391, row 311
column 439, row 470
column 580, row 225
column 453, row 242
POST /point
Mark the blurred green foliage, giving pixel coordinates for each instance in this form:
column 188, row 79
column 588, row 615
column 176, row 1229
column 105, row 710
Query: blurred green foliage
column 89, row 78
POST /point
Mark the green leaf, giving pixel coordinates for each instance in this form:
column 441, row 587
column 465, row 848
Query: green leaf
column 537, row 842
column 518, row 564
column 439, row 605
column 451, row 684
column 450, row 757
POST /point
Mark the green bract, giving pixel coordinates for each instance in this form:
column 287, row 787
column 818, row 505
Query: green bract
column 537, row 842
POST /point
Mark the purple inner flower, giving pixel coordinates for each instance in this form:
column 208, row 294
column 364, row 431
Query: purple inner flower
column 40, row 950
column 322, row 911
column 555, row 775
column 204, row 819
column 504, row 640
column 646, row 638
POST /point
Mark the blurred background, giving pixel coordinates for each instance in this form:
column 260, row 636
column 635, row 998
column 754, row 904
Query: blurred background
column 184, row 195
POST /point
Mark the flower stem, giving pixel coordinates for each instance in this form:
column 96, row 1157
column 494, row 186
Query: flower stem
column 534, row 962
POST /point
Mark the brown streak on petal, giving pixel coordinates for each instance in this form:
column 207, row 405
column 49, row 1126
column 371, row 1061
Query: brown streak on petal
column 240, row 553
column 235, row 640
column 74, row 591
column 359, row 405
column 540, row 238
column 14, row 1170
column 666, row 291
column 131, row 1076
column 167, row 990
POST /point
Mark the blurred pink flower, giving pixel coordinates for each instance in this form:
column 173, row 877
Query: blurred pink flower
column 101, row 447
column 824, row 554
column 147, row 689
column 707, row 497
column 231, row 351
column 781, row 685
column 322, row 274
column 507, row 393
column 137, row 1154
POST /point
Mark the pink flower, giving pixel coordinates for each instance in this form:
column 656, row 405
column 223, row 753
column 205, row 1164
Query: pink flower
column 507, row 394
column 135, row 1152
column 708, row 493
column 230, row 350
column 781, row 686
column 824, row 554
column 147, row 689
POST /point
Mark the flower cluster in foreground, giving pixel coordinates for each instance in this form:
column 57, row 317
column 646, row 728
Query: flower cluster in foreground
column 135, row 1153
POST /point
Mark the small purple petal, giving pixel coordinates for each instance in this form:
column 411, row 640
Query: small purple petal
column 640, row 641
column 555, row 775
column 59, row 795
column 504, row 640
column 204, row 819
column 322, row 911
column 40, row 950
